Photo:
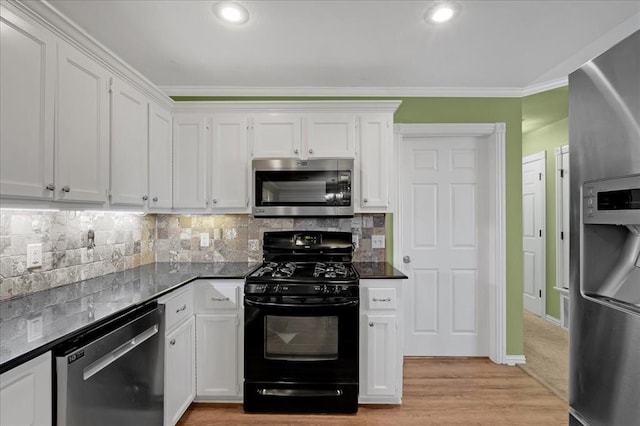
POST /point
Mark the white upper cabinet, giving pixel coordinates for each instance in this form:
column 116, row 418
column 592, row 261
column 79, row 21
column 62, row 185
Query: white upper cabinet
column 129, row 135
column 82, row 128
column 312, row 135
column 27, row 79
column 276, row 135
column 376, row 143
column 160, row 158
column 190, row 161
column 230, row 163
column 329, row 136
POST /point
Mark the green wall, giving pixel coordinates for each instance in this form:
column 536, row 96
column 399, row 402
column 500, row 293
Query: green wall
column 468, row 110
column 547, row 139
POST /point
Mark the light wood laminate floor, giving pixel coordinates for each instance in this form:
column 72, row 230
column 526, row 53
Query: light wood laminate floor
column 437, row 391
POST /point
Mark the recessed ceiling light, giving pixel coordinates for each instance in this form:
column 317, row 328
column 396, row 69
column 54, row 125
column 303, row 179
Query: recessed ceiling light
column 231, row 12
column 441, row 12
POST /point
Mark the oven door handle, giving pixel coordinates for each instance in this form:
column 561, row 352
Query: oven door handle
column 293, row 305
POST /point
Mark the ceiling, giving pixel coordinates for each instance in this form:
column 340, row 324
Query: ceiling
column 355, row 48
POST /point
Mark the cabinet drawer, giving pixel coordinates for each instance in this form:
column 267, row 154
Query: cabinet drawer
column 214, row 296
column 381, row 298
column 177, row 307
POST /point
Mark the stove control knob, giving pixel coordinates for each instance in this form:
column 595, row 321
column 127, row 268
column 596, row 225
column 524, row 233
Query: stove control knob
column 277, row 289
column 325, row 289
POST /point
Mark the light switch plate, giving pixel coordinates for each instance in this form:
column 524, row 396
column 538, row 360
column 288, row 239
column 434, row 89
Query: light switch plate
column 34, row 328
column 204, row 239
column 377, row 241
column 34, row 255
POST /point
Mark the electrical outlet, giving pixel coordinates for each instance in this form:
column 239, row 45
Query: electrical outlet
column 34, row 328
column 355, row 241
column 34, row 255
column 377, row 241
column 204, row 239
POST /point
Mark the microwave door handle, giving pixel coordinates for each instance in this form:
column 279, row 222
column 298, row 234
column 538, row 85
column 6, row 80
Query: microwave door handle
column 293, row 305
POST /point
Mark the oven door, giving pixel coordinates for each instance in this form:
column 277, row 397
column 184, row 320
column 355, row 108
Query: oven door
column 301, row 339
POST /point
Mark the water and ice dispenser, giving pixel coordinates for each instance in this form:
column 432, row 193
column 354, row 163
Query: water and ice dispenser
column 610, row 252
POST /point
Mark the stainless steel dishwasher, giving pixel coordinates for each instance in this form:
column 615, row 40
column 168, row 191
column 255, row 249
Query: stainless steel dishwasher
column 114, row 373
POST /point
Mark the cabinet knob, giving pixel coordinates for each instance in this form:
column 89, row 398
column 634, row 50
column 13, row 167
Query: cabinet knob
column 51, row 187
column 66, row 188
column 172, row 342
column 295, row 151
column 214, row 201
column 365, row 200
column 370, row 324
column 155, row 199
column 310, row 151
column 145, row 197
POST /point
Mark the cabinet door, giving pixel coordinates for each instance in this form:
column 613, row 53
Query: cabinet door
column 179, row 372
column 376, row 139
column 27, row 78
column 160, row 158
column 230, row 164
column 189, row 161
column 82, row 130
column 218, row 355
column 25, row 393
column 276, row 135
column 330, row 135
column 381, row 363
column 129, row 135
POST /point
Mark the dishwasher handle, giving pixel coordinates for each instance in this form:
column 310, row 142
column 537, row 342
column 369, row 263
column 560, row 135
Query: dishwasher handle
column 104, row 361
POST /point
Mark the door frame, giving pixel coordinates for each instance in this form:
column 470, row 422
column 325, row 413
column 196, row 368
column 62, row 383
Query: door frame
column 494, row 136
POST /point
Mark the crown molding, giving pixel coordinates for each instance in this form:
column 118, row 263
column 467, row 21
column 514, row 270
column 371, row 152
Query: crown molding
column 404, row 92
column 385, row 106
column 543, row 87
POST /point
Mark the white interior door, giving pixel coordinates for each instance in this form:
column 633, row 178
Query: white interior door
column 444, row 210
column 533, row 210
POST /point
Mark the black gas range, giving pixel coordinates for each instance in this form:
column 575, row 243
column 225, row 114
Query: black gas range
column 302, row 325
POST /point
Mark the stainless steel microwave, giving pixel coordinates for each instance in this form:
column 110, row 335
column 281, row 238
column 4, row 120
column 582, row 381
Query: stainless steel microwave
column 293, row 187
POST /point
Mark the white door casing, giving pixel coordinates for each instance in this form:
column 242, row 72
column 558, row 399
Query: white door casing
column 562, row 216
column 484, row 276
column 533, row 232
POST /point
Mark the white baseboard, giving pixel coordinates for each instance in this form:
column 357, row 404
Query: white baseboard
column 553, row 320
column 514, row 360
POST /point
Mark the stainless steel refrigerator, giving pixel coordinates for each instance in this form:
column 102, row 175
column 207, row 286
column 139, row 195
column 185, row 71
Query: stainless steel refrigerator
column 604, row 143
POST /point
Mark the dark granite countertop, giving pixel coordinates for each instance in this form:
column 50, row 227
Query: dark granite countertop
column 73, row 308
column 378, row 270
column 69, row 309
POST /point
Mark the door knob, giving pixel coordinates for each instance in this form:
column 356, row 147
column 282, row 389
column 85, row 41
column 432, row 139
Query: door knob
column 406, row 259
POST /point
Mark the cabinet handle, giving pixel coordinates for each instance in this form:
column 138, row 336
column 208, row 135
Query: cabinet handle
column 155, row 199
column 365, row 200
column 370, row 324
column 181, row 309
column 295, row 151
column 51, row 187
column 172, row 342
column 66, row 188
column 310, row 151
column 388, row 299
column 220, row 299
column 145, row 197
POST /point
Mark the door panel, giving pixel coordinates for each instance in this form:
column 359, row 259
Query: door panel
column 443, row 203
column 533, row 169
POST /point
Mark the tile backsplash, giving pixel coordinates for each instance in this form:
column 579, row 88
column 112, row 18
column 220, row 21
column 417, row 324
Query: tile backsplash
column 124, row 241
column 121, row 241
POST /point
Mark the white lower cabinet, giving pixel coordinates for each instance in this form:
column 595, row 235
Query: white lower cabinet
column 219, row 340
column 380, row 342
column 180, row 371
column 25, row 393
column 179, row 354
